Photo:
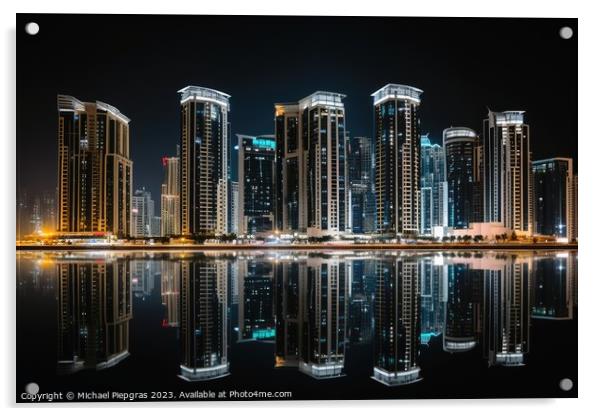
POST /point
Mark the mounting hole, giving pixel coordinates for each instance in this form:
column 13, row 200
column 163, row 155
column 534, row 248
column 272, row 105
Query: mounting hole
column 32, row 388
column 566, row 32
column 32, row 28
column 566, row 384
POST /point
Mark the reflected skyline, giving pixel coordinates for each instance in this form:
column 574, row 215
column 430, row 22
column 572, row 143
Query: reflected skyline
column 310, row 309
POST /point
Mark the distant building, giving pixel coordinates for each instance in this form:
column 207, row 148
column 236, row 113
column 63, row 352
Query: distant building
column 397, row 156
column 234, row 201
column 460, row 144
column 553, row 188
column 170, row 196
column 256, row 183
column 433, row 187
column 204, row 161
column 94, row 168
column 143, row 211
column 361, row 185
column 507, row 171
column 310, row 138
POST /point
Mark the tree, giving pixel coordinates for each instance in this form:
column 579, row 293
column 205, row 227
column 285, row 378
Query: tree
column 513, row 236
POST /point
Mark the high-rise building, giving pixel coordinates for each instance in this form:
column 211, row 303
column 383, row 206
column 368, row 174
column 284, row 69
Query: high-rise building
column 460, row 144
column 143, row 211
column 204, row 161
column 290, row 278
column 552, row 288
column 233, row 200
column 255, row 312
column 433, row 187
column 507, row 171
column 360, row 165
column 575, row 206
column 94, row 168
column 459, row 333
column 170, row 196
column 433, row 275
column 170, row 292
column 397, row 160
column 203, row 320
column 553, row 199
column 397, row 322
column 256, row 183
column 310, row 138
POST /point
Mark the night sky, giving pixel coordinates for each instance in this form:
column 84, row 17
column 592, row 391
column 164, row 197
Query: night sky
column 138, row 63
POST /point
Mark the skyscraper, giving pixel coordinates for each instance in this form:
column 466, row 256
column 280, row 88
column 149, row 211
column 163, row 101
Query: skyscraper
column 553, row 198
column 170, row 196
column 310, row 137
column 204, row 161
column 397, row 321
column 460, row 144
column 397, row 156
column 143, row 211
column 507, row 171
column 433, row 187
column 361, row 185
column 94, row 168
column 459, row 333
column 256, row 183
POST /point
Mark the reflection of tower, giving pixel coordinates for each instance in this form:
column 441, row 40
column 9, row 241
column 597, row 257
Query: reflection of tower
column 506, row 313
column 287, row 287
column 170, row 292
column 360, row 305
column 397, row 324
column 431, row 296
column 552, row 295
column 143, row 277
column 256, row 319
column 203, row 315
column 459, row 333
column 322, row 346
column 95, row 307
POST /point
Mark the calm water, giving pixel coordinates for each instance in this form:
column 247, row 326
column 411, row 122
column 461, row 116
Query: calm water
column 329, row 325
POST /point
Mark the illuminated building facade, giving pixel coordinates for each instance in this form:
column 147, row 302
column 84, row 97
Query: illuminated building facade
column 170, row 292
column 143, row 211
column 459, row 333
column 397, row 159
column 460, row 144
column 204, row 161
column 433, row 187
column 553, row 198
column 397, row 322
column 361, row 185
column 256, row 183
column 203, row 319
column 433, row 276
column 94, row 168
column 310, row 141
column 170, row 197
column 256, row 305
column 507, row 171
column 94, row 313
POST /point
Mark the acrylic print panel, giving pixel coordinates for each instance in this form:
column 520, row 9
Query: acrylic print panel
column 290, row 208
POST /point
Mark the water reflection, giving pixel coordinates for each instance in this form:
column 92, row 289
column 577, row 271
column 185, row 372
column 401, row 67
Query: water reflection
column 311, row 307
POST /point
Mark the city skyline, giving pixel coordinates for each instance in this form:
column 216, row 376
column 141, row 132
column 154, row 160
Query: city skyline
column 153, row 105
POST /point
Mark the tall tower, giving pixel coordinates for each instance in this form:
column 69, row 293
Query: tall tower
column 459, row 144
column 507, row 171
column 170, row 196
column 433, row 187
column 553, row 210
column 204, row 161
column 256, row 180
column 94, row 168
column 310, row 137
column 360, row 165
column 397, row 154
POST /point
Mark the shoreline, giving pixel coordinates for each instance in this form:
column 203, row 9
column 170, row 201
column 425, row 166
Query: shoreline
column 306, row 247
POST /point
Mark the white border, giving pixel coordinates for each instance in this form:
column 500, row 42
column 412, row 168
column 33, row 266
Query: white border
column 590, row 73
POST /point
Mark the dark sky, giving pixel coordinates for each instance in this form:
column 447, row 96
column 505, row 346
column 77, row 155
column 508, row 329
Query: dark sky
column 137, row 64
